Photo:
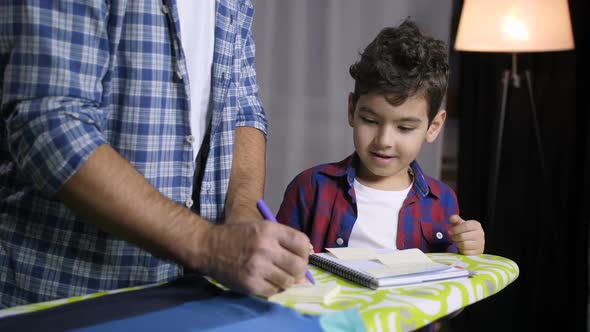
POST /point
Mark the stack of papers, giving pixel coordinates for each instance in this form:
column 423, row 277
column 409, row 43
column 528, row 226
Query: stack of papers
column 307, row 293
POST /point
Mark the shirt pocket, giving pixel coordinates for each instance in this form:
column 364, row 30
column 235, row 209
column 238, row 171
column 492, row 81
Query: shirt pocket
column 435, row 233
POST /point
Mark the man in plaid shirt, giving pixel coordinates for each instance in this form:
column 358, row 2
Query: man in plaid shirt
column 100, row 183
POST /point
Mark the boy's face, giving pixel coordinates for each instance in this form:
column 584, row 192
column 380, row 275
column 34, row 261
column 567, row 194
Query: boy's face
column 388, row 138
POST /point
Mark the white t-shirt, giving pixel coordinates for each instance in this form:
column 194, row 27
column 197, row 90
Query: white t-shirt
column 197, row 34
column 378, row 213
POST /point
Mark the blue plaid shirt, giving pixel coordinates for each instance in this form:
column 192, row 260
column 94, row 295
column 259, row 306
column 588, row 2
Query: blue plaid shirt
column 79, row 74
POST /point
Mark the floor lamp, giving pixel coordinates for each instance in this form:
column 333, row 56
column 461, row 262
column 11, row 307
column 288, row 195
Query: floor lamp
column 514, row 26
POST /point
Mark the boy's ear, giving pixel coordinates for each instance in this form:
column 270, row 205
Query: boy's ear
column 435, row 126
column 350, row 110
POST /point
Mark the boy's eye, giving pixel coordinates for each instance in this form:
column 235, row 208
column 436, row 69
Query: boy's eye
column 369, row 121
column 405, row 128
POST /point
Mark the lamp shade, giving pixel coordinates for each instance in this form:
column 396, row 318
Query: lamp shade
column 514, row 26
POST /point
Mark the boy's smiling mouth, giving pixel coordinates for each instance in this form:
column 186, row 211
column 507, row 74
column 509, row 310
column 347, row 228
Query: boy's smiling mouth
column 381, row 155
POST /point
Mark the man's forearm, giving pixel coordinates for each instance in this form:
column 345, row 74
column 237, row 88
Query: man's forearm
column 110, row 193
column 246, row 184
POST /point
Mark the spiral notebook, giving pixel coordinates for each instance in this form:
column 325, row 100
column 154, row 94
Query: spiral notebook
column 386, row 268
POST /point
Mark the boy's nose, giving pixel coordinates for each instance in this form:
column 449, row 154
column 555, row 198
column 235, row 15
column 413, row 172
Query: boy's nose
column 384, row 138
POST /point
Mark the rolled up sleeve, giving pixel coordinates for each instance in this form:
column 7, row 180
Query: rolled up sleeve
column 56, row 56
column 251, row 112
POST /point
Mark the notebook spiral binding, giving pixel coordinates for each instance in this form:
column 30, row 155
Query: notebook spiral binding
column 344, row 272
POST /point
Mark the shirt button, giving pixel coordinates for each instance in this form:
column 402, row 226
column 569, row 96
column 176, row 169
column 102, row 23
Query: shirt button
column 190, row 139
column 164, row 9
column 439, row 235
column 339, row 241
column 178, row 74
column 189, row 203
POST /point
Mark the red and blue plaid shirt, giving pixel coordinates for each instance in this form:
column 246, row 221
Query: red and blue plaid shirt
column 321, row 202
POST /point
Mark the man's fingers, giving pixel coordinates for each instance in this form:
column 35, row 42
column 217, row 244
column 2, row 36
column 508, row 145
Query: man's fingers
column 272, row 258
column 265, row 288
column 279, row 278
column 286, row 260
column 290, row 263
column 294, row 251
column 295, row 241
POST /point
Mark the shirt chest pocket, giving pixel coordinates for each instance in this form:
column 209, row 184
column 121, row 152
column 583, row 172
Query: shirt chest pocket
column 435, row 233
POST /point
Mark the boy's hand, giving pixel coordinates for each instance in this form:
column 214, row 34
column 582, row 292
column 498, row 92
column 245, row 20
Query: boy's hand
column 468, row 235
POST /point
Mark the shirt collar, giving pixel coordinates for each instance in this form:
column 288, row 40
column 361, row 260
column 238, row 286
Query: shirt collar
column 422, row 183
column 343, row 168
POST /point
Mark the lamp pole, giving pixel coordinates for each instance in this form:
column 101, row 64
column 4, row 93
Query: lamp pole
column 511, row 76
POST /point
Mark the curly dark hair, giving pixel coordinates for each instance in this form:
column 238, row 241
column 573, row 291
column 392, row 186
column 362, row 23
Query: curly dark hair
column 401, row 63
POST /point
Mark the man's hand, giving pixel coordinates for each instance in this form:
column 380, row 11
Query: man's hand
column 468, row 235
column 255, row 257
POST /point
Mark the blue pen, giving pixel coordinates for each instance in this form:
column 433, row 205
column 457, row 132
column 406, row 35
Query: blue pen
column 265, row 212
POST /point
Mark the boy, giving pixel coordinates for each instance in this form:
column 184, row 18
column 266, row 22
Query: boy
column 379, row 196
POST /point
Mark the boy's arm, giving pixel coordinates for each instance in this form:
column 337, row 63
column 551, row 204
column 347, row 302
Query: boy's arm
column 294, row 210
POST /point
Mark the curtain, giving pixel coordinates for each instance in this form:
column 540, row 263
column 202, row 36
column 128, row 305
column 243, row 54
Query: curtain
column 540, row 222
column 304, row 49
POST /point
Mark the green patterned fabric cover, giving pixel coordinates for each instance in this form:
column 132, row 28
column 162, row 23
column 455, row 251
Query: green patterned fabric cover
column 406, row 308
